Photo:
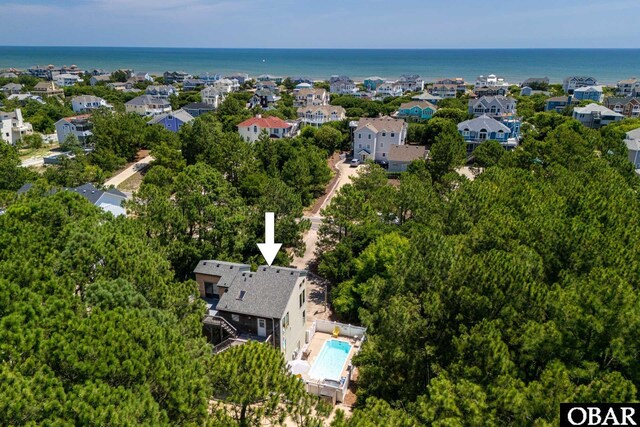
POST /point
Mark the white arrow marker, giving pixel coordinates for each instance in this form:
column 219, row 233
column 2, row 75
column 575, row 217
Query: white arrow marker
column 269, row 249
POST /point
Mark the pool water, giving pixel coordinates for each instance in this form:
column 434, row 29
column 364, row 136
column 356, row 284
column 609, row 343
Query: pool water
column 330, row 361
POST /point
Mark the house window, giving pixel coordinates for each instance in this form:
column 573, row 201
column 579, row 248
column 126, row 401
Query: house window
column 359, row 145
column 209, row 290
column 359, row 136
column 302, row 297
column 393, row 134
column 285, row 321
column 384, row 134
column 369, row 136
column 304, row 316
column 255, row 129
column 384, row 154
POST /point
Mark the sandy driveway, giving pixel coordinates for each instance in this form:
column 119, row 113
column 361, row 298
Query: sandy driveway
column 128, row 172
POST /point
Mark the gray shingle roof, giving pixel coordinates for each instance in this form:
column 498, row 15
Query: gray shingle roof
column 406, row 153
column 266, row 292
column 634, row 134
column 483, row 122
column 147, row 99
column 181, row 115
column 226, row 270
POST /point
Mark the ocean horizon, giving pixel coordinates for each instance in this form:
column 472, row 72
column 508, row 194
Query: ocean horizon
column 515, row 65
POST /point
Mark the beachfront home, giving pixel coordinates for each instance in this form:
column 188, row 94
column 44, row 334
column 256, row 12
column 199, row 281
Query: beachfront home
column 632, row 141
column 227, row 85
column 140, row 77
column 193, row 84
column 416, row 110
column 240, row 77
column 444, row 90
column 372, row 83
column 559, row 103
column 110, row 200
column 213, row 96
column 171, row 77
column 11, row 89
column 66, row 80
column 496, row 107
column 13, row 127
column 389, row 89
column 401, row 156
column 46, row 89
column 172, row 121
column 251, row 129
column 571, row 83
column 426, row 96
column 461, row 85
column 373, row 137
column 342, row 85
column 161, row 91
column 147, row 105
column 483, row 128
column 310, row 96
column 626, row 87
column 101, row 78
column 196, row 109
column 269, row 77
column 267, row 305
column 87, row 103
column 539, row 83
column 8, row 75
column 317, row 115
column 590, row 93
column 80, row 126
column 411, row 83
column 595, row 116
column 628, row 106
column 263, row 98
column 490, row 81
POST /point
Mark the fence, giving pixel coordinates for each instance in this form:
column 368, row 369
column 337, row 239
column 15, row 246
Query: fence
column 345, row 330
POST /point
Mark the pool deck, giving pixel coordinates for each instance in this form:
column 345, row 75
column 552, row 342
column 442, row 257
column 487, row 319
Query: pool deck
column 318, row 340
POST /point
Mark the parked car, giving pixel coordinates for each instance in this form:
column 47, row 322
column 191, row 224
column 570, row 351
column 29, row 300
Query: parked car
column 355, row 162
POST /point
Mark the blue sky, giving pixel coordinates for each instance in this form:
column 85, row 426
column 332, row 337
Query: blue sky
column 322, row 24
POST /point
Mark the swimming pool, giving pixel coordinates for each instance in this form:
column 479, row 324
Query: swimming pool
column 330, row 361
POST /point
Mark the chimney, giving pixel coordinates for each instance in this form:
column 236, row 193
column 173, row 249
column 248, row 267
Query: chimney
column 258, row 116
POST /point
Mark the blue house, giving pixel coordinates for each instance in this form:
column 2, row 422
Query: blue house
column 372, row 83
column 484, row 128
column 559, row 103
column 590, row 93
column 172, row 121
column 417, row 110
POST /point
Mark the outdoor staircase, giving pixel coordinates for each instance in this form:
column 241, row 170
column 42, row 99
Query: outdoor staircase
column 222, row 323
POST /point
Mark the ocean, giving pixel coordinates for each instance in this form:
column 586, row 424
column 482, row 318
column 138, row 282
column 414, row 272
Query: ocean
column 515, row 65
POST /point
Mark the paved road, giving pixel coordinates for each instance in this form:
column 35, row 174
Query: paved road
column 128, row 172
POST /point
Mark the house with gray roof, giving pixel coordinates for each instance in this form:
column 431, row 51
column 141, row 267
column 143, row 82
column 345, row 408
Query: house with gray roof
column 161, row 91
column 172, row 121
column 401, row 156
column 11, row 89
column 595, row 116
column 632, row 141
column 426, row 96
column 571, row 83
column 147, row 105
column 373, row 137
column 264, row 98
column 109, row 200
column 483, row 128
column 628, row 106
column 493, row 106
column 87, row 103
column 267, row 305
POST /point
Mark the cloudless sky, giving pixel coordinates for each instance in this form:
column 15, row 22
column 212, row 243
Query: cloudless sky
column 322, row 23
